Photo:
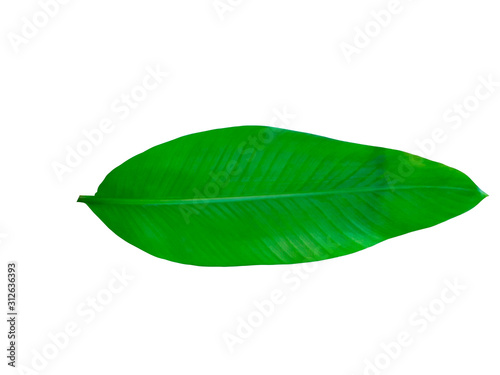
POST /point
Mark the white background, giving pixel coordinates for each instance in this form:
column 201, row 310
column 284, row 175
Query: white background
column 236, row 68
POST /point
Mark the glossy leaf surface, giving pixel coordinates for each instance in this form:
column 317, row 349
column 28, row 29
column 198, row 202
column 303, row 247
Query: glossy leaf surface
column 260, row 195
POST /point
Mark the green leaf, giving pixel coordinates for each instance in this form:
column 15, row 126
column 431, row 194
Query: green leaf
column 261, row 195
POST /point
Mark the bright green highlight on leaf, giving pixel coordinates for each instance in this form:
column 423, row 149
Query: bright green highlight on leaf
column 260, row 195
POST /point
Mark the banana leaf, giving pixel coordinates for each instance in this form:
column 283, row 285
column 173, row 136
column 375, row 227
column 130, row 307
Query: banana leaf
column 252, row 195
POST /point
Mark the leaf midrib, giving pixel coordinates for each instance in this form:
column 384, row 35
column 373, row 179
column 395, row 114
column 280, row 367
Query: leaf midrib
column 144, row 202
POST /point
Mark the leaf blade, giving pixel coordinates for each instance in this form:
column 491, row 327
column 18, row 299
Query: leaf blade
column 260, row 195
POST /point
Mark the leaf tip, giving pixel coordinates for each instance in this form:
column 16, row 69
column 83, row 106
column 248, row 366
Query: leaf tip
column 483, row 194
